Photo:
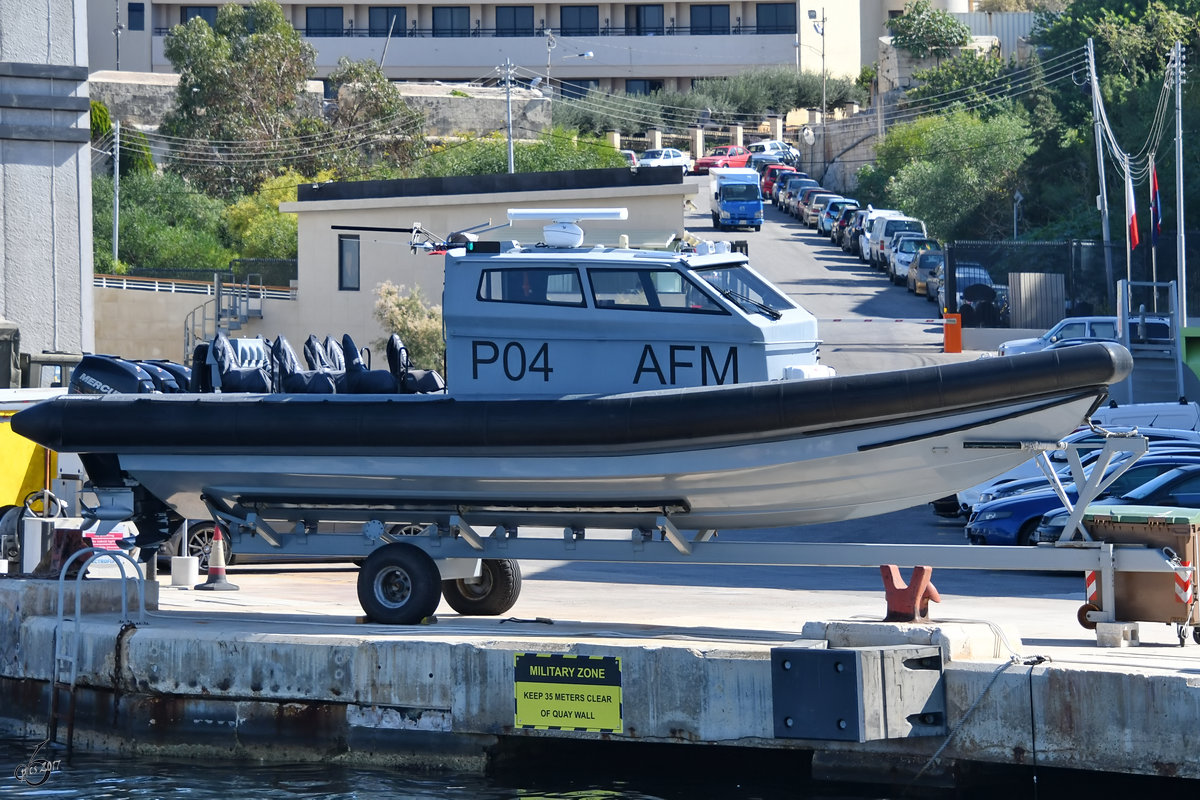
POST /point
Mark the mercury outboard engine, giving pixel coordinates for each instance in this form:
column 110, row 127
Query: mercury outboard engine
column 109, row 375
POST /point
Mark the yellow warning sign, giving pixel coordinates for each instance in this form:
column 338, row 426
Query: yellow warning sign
column 565, row 692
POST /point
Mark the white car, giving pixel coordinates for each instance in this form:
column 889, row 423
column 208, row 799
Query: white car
column 666, row 157
column 773, row 146
column 1089, row 328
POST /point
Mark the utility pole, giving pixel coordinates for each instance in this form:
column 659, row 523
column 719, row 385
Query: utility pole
column 117, row 28
column 1102, row 198
column 116, row 151
column 508, row 71
column 1179, row 236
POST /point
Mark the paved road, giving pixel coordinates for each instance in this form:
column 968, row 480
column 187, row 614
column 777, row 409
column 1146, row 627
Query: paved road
column 835, row 285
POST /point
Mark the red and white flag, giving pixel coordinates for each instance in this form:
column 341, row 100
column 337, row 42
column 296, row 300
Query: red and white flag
column 1131, row 210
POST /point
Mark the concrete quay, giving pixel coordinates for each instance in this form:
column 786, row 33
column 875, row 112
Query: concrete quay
column 284, row 670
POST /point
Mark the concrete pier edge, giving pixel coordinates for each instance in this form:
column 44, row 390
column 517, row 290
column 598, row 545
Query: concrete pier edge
column 436, row 697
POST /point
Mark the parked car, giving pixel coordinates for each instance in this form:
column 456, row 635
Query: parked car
column 795, row 187
column 830, row 213
column 774, row 146
column 1178, row 487
column 977, row 297
column 864, row 235
column 1086, row 441
column 903, row 251
column 630, row 157
column 727, row 155
column 666, row 157
column 882, row 231
column 854, row 230
column 1147, row 329
column 771, row 174
column 760, row 161
column 816, row 204
column 921, row 271
column 802, row 200
column 788, row 180
column 842, row 226
column 1015, row 519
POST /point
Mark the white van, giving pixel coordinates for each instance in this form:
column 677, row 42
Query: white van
column 882, row 230
column 864, row 238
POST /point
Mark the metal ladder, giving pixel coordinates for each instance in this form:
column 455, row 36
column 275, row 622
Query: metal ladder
column 66, row 648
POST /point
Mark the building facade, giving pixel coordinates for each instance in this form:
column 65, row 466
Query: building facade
column 45, row 175
column 633, row 47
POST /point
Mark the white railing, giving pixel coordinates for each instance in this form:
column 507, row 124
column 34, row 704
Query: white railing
column 175, row 286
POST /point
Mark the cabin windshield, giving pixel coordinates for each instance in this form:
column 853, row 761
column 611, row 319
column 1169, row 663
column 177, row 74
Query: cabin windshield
column 740, row 191
column 748, row 291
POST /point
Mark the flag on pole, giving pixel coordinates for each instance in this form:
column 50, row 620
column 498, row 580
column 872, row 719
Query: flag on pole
column 1131, row 210
column 1155, row 207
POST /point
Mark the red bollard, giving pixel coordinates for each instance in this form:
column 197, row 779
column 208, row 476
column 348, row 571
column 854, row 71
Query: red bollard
column 908, row 603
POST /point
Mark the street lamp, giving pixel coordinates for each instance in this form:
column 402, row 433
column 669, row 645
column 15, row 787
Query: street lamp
column 819, row 27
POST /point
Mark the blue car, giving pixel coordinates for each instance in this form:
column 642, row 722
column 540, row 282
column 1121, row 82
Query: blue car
column 1015, row 519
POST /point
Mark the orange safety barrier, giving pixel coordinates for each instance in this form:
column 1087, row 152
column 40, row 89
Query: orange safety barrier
column 952, row 333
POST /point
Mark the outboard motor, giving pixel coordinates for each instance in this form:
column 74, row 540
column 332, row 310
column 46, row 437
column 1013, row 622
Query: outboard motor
column 109, row 375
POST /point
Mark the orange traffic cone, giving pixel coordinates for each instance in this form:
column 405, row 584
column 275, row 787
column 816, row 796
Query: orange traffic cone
column 216, row 566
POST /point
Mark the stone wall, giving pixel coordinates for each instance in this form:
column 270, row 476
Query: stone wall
column 483, row 110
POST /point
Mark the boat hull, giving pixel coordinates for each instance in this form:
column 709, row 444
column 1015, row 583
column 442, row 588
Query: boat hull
column 746, row 456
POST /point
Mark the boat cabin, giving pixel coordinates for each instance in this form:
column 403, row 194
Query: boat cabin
column 560, row 318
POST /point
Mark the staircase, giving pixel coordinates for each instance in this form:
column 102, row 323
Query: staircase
column 232, row 305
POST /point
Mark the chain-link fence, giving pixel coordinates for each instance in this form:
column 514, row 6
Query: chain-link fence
column 1035, row 284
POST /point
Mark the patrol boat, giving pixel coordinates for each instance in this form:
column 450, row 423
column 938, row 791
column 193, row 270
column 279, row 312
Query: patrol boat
column 588, row 386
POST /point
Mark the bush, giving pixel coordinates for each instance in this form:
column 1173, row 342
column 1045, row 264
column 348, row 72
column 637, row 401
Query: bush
column 419, row 325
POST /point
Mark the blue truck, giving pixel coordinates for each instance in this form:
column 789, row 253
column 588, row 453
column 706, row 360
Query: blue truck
column 737, row 199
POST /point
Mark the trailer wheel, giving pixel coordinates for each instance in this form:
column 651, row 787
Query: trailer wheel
column 398, row 585
column 1082, row 615
column 493, row 592
column 1196, row 635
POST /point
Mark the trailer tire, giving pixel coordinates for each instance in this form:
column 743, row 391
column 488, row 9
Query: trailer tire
column 398, row 585
column 199, row 544
column 495, row 591
column 1082, row 616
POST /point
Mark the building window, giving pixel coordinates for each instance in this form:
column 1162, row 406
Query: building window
column 381, row 19
column 514, row 20
column 538, row 286
column 451, row 21
column 776, row 18
column 642, row 86
column 580, row 21
column 323, row 21
column 644, row 20
column 347, row 263
column 577, row 89
column 136, row 15
column 709, row 20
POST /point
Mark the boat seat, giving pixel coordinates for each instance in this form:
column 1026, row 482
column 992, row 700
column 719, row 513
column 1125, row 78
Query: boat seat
column 317, row 356
column 411, row 381
column 360, row 378
column 293, row 378
column 201, row 378
column 333, row 349
column 240, row 365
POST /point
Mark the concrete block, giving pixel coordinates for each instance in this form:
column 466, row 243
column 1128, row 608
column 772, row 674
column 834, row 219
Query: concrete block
column 959, row 641
column 1117, row 634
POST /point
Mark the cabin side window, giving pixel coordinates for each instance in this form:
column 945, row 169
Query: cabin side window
column 347, row 263
column 554, row 287
column 649, row 290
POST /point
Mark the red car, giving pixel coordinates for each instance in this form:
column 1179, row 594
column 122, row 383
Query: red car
column 727, row 155
column 770, row 174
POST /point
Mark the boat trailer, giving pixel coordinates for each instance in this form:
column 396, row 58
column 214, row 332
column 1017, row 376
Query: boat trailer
column 408, row 561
